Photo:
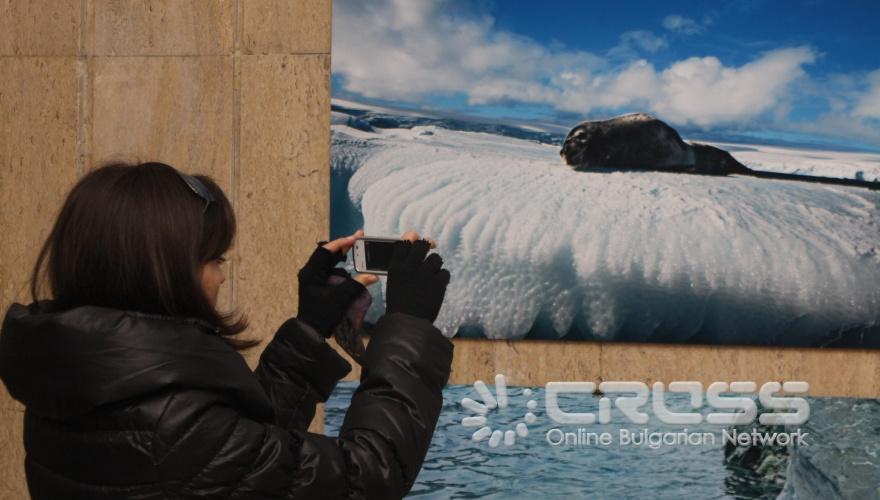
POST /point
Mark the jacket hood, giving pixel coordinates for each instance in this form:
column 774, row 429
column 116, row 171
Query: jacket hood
column 63, row 364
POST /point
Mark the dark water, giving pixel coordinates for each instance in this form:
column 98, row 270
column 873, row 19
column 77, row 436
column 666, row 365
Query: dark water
column 457, row 467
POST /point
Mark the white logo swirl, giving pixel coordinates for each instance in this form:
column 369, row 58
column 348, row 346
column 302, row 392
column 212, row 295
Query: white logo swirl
column 494, row 403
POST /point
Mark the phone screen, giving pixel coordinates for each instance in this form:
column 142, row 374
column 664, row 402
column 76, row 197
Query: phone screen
column 378, row 254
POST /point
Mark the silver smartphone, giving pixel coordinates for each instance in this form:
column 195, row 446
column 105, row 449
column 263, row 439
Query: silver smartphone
column 373, row 255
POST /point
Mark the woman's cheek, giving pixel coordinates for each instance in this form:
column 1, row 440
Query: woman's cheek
column 212, row 278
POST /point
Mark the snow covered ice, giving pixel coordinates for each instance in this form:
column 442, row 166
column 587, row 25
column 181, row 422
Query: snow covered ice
column 622, row 255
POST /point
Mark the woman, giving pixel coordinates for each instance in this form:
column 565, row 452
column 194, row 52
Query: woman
column 132, row 384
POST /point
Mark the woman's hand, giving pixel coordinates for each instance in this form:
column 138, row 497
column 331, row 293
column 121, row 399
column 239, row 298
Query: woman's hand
column 322, row 305
column 416, row 285
column 342, row 246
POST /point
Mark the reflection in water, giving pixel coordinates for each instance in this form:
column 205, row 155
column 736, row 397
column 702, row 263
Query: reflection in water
column 457, row 467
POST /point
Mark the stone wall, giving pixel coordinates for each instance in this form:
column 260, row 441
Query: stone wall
column 236, row 89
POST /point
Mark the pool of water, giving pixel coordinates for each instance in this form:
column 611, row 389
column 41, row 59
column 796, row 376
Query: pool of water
column 458, row 467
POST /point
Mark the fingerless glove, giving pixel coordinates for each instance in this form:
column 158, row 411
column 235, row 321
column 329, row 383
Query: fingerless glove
column 416, row 285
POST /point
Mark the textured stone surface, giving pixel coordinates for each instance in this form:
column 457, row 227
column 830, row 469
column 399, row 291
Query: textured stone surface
column 531, row 362
column 706, row 364
column 177, row 110
column 38, row 161
column 40, row 27
column 317, row 424
column 66, row 114
column 12, row 482
column 286, row 27
column 282, row 194
column 524, row 362
column 165, row 27
column 38, row 164
column 830, row 372
column 834, row 372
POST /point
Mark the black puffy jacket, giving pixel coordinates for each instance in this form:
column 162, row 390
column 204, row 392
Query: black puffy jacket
column 126, row 405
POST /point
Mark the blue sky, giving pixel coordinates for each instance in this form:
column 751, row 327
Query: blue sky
column 845, row 32
column 797, row 68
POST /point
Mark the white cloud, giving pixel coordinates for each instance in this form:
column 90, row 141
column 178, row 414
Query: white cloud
column 632, row 42
column 851, row 114
column 405, row 50
column 704, row 92
column 868, row 104
column 685, row 25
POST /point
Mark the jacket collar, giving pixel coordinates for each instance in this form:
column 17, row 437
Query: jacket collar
column 64, row 364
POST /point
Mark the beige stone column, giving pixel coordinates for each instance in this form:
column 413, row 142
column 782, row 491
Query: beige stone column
column 236, row 89
column 282, row 155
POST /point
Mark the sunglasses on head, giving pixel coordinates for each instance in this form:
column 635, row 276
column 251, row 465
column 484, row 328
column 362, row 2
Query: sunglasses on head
column 197, row 187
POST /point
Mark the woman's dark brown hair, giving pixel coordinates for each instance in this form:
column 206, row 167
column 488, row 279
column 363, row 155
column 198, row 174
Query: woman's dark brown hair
column 135, row 237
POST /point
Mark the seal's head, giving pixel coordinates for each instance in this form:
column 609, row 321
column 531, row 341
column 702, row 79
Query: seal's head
column 636, row 140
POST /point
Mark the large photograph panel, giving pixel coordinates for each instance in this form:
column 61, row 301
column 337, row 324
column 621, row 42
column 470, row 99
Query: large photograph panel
column 663, row 173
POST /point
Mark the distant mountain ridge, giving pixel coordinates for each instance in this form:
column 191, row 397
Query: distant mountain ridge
column 380, row 118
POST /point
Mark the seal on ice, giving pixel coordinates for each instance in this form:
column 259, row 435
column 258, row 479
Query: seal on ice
column 639, row 141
